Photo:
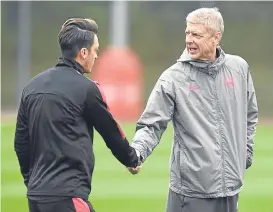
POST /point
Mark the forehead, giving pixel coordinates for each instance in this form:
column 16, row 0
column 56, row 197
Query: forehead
column 196, row 27
column 96, row 41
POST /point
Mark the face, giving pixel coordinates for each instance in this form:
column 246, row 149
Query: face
column 201, row 43
column 90, row 55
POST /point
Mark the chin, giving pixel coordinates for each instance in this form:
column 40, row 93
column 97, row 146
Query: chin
column 87, row 71
column 194, row 56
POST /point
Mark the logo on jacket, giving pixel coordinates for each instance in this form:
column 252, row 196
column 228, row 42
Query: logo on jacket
column 194, row 87
column 230, row 82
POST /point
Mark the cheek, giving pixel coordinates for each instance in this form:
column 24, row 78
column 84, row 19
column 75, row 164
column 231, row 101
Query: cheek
column 91, row 59
column 206, row 46
column 200, row 46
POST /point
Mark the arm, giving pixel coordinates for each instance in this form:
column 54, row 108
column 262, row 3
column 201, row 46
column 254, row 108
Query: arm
column 252, row 119
column 154, row 120
column 99, row 116
column 21, row 142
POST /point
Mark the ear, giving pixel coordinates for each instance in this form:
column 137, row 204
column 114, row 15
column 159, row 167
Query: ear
column 218, row 37
column 83, row 53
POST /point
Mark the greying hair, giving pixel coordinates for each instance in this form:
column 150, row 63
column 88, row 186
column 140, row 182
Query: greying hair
column 210, row 17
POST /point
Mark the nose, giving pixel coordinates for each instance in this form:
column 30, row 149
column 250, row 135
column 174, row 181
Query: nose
column 189, row 38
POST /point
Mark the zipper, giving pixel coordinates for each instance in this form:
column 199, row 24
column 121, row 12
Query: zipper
column 220, row 136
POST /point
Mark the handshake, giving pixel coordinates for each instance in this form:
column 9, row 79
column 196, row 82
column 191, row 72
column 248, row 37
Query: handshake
column 136, row 169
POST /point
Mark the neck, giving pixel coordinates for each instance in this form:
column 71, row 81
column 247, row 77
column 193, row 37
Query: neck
column 212, row 56
column 73, row 63
column 78, row 61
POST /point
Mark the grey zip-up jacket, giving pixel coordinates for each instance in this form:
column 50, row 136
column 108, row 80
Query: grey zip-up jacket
column 214, row 112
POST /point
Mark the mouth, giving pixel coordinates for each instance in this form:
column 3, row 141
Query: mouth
column 192, row 50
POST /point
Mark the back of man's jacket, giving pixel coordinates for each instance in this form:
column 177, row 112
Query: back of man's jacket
column 54, row 132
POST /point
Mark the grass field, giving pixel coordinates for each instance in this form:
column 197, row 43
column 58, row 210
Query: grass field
column 116, row 190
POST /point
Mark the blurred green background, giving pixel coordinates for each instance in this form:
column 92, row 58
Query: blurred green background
column 156, row 34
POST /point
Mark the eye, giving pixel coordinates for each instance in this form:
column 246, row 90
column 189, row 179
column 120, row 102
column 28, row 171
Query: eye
column 196, row 35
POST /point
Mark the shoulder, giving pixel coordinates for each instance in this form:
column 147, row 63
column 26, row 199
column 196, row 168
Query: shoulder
column 177, row 71
column 167, row 81
column 94, row 89
column 236, row 60
column 37, row 81
column 237, row 63
column 94, row 85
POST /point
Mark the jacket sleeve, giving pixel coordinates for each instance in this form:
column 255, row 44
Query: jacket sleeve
column 98, row 115
column 21, row 142
column 154, row 120
column 252, row 119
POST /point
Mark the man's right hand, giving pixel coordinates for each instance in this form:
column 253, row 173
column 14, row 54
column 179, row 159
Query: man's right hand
column 136, row 169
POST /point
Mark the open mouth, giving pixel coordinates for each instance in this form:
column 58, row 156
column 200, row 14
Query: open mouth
column 192, row 50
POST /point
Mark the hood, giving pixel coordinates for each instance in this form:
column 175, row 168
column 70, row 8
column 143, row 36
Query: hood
column 209, row 67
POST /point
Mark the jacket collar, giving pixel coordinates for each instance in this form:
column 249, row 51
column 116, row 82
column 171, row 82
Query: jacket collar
column 64, row 61
column 209, row 67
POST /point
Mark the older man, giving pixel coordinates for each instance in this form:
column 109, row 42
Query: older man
column 210, row 98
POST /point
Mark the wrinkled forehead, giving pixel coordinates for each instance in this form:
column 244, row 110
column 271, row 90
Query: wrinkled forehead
column 196, row 27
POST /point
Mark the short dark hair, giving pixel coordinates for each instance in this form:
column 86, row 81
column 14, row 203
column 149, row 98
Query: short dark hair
column 77, row 33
